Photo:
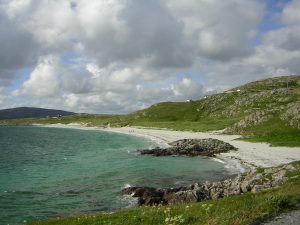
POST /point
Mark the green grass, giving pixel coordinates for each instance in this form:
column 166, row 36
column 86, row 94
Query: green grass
column 275, row 132
column 237, row 210
column 203, row 125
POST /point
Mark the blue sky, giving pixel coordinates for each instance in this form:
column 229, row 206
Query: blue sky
column 114, row 56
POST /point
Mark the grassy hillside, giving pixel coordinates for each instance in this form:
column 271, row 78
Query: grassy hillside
column 266, row 110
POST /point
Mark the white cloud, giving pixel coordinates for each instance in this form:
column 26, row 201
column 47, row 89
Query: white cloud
column 222, row 29
column 43, row 81
column 118, row 56
column 291, row 13
column 187, row 89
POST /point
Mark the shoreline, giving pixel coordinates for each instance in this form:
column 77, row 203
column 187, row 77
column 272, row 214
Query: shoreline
column 249, row 155
column 233, row 165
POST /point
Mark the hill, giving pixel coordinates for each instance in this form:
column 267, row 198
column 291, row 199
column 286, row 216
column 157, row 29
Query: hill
column 266, row 110
column 30, row 112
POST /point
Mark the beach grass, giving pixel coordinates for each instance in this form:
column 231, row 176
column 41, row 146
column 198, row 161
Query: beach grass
column 238, row 210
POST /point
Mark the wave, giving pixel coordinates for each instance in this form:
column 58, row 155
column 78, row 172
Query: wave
column 219, row 160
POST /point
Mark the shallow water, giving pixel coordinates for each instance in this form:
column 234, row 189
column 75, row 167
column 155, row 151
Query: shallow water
column 48, row 172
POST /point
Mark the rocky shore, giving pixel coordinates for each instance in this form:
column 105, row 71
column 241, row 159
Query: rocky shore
column 253, row 181
column 191, row 147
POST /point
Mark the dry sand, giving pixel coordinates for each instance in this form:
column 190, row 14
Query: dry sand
column 249, row 154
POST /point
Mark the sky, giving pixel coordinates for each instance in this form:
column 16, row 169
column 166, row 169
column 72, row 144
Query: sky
column 118, row 56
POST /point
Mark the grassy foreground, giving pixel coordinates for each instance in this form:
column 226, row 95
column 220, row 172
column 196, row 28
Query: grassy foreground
column 234, row 210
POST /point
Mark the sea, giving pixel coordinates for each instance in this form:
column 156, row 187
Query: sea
column 55, row 172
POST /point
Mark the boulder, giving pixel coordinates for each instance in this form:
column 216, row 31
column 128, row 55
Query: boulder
column 191, row 147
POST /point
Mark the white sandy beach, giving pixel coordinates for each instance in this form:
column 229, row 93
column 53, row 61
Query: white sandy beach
column 250, row 154
column 255, row 154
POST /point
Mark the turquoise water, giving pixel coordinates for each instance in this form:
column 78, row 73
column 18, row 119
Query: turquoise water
column 50, row 172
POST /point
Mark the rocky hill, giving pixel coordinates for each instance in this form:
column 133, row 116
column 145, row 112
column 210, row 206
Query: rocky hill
column 264, row 108
column 252, row 104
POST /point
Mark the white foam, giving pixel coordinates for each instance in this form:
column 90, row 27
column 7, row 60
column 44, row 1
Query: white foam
column 219, row 160
column 126, row 186
column 129, row 201
column 235, row 166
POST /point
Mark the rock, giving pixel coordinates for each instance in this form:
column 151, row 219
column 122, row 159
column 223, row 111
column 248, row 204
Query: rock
column 191, row 147
column 256, row 188
column 216, row 190
column 249, row 182
column 292, row 115
column 290, row 167
column 245, row 186
column 146, row 195
column 232, row 187
column 183, row 197
column 203, row 193
column 278, row 178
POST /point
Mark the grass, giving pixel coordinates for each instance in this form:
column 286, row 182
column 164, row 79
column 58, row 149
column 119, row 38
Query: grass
column 234, row 210
column 275, row 132
column 203, row 125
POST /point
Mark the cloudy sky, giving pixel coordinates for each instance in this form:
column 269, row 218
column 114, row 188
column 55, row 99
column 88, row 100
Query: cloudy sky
column 117, row 56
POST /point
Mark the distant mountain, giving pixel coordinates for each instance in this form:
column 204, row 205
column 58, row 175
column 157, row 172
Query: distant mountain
column 30, row 112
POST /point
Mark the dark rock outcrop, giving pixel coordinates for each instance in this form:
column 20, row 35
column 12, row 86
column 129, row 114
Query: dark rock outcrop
column 253, row 181
column 191, row 147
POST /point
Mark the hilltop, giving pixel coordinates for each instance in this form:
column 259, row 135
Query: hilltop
column 31, row 112
column 266, row 110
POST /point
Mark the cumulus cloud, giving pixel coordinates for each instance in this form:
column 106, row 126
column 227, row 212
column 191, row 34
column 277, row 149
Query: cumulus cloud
column 290, row 14
column 16, row 48
column 43, row 80
column 114, row 56
column 222, row 30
